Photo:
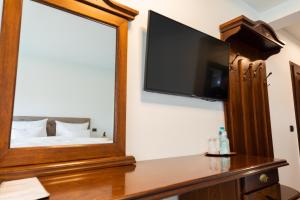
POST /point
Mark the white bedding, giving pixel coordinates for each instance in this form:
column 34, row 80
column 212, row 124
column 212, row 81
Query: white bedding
column 56, row 141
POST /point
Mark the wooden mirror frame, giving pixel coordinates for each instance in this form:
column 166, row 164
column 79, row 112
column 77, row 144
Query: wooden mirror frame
column 20, row 162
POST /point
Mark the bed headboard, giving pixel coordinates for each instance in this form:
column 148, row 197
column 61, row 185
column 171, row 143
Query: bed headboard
column 51, row 125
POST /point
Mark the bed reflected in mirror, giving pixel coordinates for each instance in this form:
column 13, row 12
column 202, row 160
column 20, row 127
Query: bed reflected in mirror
column 65, row 87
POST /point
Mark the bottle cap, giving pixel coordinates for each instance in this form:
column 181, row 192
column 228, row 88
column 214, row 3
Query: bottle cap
column 224, row 133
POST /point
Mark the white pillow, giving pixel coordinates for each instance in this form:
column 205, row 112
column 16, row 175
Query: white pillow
column 61, row 126
column 73, row 133
column 31, row 124
column 27, row 132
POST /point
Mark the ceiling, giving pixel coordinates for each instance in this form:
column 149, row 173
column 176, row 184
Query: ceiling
column 290, row 22
column 294, row 30
column 263, row 5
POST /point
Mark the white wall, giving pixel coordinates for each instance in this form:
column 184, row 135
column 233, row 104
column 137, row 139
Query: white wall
column 282, row 109
column 163, row 125
column 57, row 89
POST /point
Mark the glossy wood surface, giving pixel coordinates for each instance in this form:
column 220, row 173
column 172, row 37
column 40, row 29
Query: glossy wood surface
column 275, row 192
column 19, row 172
column 247, row 113
column 155, row 179
column 224, row 191
column 106, row 12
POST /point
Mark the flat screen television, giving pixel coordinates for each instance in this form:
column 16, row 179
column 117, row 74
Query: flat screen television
column 181, row 60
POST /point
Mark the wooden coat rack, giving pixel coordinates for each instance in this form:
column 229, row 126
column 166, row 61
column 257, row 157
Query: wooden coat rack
column 247, row 109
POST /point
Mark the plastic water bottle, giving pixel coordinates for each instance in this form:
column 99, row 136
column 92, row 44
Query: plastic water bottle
column 224, row 142
column 221, row 129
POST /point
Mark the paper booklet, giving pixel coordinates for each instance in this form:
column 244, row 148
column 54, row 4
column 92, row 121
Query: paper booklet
column 23, row 189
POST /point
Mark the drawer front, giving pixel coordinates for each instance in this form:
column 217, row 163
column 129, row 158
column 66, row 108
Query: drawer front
column 261, row 180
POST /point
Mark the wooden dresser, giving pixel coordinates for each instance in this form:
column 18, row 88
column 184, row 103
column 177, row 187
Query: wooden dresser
column 238, row 177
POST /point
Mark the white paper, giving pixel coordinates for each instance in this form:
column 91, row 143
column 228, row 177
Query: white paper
column 23, row 189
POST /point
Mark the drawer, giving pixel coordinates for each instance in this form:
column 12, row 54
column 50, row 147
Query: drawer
column 259, row 181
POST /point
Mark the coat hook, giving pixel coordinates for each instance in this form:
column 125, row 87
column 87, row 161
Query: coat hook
column 236, row 56
column 246, row 72
column 231, row 68
column 268, row 75
column 231, row 64
column 266, row 79
column 257, row 69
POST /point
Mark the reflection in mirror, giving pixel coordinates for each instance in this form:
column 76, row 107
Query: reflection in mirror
column 65, row 80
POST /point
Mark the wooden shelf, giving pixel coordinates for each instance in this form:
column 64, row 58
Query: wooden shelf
column 257, row 38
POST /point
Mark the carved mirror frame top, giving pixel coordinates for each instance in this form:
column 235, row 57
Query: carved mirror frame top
column 22, row 162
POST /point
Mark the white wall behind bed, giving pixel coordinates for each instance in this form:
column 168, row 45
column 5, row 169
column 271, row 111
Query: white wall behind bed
column 65, row 90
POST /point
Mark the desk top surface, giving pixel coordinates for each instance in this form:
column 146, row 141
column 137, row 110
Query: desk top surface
column 155, row 178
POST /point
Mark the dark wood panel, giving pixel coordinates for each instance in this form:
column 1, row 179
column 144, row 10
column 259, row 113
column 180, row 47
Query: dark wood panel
column 247, row 106
column 155, row 179
column 265, row 113
column 247, row 109
column 233, row 108
column 222, row 191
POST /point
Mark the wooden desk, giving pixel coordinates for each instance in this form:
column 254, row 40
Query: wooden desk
column 157, row 179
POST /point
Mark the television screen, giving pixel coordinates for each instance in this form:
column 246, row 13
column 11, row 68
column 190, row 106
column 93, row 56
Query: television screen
column 184, row 61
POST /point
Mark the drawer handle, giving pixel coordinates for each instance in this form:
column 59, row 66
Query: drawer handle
column 263, row 178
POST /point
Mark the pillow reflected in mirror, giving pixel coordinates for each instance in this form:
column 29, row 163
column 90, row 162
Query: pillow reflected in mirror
column 74, row 133
column 72, row 129
column 27, row 126
column 29, row 132
column 71, row 126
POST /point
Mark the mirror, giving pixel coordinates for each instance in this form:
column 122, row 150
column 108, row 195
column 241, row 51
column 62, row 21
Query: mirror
column 65, row 87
